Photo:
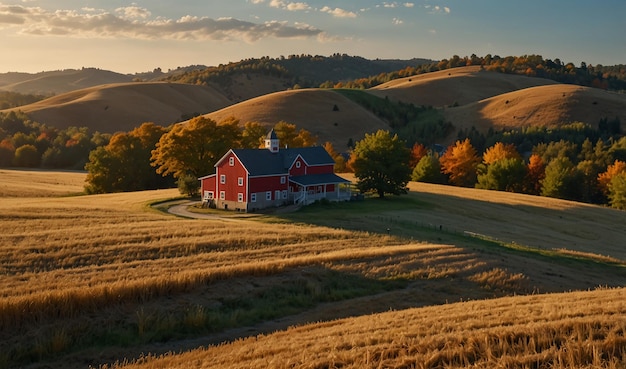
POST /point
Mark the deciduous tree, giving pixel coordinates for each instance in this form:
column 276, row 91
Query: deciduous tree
column 194, row 147
column 340, row 162
column 617, row 191
column 503, row 175
column 289, row 136
column 459, row 163
column 381, row 164
column 535, row 173
column 428, row 170
column 500, row 151
column 604, row 179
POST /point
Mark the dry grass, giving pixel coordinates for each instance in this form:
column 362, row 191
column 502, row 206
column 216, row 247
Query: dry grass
column 542, row 106
column 454, row 86
column 124, row 106
column 106, row 271
column 28, row 183
column 310, row 109
column 578, row 329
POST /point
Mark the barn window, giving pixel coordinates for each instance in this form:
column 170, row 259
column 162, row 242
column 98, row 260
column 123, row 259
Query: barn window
column 253, row 197
column 208, row 195
column 284, row 194
column 240, row 197
column 223, row 178
column 268, row 195
column 297, row 164
column 222, row 195
column 283, row 180
column 231, row 161
column 240, row 181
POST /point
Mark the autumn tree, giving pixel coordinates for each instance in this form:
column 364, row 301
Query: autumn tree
column 27, row 156
column 340, row 162
column 500, row 151
column 289, row 136
column 381, row 164
column 418, row 151
column 459, row 163
column 194, row 147
column 535, row 172
column 604, row 179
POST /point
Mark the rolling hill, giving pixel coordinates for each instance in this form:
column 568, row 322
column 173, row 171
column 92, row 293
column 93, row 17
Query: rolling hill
column 465, row 96
column 541, row 106
column 310, row 109
column 122, row 107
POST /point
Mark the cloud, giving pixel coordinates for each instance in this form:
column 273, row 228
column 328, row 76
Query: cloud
column 437, row 9
column 397, row 21
column 136, row 23
column 338, row 12
column 291, row 6
column 408, row 5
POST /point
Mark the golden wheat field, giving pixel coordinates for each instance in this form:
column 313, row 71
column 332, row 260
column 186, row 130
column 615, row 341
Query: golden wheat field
column 93, row 280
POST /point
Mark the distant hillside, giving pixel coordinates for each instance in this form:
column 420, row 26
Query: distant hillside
column 310, row 109
column 456, row 86
column 122, row 107
column 240, row 81
column 541, row 106
column 55, row 82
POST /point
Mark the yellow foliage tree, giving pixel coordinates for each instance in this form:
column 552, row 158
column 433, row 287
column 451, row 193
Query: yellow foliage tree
column 500, row 151
column 290, row 137
column 340, row 162
column 459, row 163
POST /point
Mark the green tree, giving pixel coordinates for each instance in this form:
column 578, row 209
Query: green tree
column 188, row 185
column 381, row 164
column 194, row 147
column 27, row 156
column 253, row 135
column 124, row 163
column 503, row 175
column 428, row 170
column 617, row 191
column 560, row 179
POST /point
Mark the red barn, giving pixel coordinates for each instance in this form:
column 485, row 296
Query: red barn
column 252, row 179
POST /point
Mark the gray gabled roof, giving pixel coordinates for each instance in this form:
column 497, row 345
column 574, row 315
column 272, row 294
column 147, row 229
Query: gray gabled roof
column 262, row 162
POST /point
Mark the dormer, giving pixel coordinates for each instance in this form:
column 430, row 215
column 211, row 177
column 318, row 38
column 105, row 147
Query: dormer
column 271, row 141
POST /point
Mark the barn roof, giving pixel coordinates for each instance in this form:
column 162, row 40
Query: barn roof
column 262, row 162
column 318, row 179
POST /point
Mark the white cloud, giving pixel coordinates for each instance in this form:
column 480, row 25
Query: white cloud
column 397, row 21
column 257, row 1
column 338, row 12
column 291, row 6
column 446, row 9
column 409, row 5
column 136, row 23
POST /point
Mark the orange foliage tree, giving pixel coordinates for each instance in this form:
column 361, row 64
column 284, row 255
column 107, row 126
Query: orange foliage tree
column 340, row 162
column 535, row 174
column 604, row 179
column 459, row 163
column 418, row 151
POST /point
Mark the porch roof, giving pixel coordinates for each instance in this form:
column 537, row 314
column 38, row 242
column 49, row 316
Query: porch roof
column 318, row 179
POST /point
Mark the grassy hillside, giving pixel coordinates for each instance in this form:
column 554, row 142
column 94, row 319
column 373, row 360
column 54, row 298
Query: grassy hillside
column 542, row 106
column 568, row 330
column 122, row 107
column 89, row 280
column 310, row 109
column 61, row 81
column 456, row 86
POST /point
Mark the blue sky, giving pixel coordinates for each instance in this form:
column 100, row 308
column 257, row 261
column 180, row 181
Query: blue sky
column 138, row 36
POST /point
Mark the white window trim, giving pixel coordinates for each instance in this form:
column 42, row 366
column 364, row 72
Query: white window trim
column 268, row 195
column 223, row 178
column 283, row 180
column 284, row 194
column 208, row 195
column 240, row 197
column 231, row 161
column 253, row 197
column 222, row 195
column 240, row 181
column 298, row 164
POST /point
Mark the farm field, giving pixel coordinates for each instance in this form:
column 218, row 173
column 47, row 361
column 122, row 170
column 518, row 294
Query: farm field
column 92, row 280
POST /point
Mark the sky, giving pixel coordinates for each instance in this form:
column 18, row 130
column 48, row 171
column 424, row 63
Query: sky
column 139, row 36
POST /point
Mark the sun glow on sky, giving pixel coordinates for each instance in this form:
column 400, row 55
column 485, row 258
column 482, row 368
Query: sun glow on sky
column 129, row 37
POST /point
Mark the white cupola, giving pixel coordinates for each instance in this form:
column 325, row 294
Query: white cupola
column 271, row 141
